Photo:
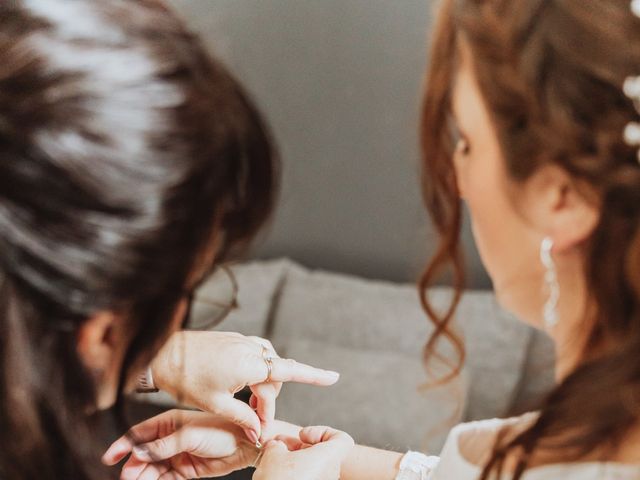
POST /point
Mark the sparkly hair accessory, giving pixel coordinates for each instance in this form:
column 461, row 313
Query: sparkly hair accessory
column 632, row 90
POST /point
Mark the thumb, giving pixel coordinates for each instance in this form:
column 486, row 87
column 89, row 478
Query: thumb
column 321, row 434
column 239, row 413
column 334, row 442
column 274, row 450
column 162, row 448
column 274, row 456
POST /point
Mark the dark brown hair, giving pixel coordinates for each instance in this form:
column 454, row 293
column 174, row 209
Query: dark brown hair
column 551, row 74
column 126, row 153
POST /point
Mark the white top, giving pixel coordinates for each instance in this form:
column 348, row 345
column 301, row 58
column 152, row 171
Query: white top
column 454, row 466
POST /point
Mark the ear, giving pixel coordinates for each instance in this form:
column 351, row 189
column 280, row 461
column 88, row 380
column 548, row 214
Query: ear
column 97, row 340
column 560, row 207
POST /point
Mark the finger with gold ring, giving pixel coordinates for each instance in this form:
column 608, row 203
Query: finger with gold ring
column 268, row 360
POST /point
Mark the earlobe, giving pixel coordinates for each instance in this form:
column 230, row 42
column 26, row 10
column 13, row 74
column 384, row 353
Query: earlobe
column 561, row 208
column 102, row 342
column 575, row 219
column 94, row 341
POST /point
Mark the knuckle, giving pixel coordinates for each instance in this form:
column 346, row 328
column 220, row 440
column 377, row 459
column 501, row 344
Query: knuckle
column 215, row 409
column 290, row 362
column 158, row 446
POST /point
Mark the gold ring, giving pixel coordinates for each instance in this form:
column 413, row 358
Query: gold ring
column 268, row 360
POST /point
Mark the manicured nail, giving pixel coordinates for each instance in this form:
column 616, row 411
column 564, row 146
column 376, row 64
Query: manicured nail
column 333, row 374
column 141, row 452
column 253, row 436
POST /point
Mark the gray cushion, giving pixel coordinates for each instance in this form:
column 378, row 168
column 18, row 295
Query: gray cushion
column 259, row 286
column 365, row 315
column 497, row 348
column 377, row 400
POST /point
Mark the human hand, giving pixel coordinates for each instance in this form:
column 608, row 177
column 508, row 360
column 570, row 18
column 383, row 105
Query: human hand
column 181, row 444
column 206, row 369
column 317, row 454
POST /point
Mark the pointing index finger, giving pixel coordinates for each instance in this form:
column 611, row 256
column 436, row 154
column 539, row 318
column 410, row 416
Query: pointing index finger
column 289, row 370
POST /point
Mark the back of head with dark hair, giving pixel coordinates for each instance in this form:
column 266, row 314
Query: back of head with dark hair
column 126, row 152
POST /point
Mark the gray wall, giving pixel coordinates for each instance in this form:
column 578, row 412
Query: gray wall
column 339, row 81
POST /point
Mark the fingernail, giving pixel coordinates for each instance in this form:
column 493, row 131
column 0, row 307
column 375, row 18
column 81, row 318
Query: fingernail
column 253, row 436
column 274, row 443
column 333, row 374
column 141, row 452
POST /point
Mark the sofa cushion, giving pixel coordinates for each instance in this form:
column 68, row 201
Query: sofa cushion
column 365, row 315
column 378, row 399
column 259, row 285
column 497, row 346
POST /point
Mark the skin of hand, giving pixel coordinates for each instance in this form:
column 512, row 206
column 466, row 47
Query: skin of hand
column 202, row 443
column 316, row 454
column 181, row 444
column 206, row 370
column 362, row 463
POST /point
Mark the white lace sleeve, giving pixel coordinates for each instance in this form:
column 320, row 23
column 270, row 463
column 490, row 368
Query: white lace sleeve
column 417, row 466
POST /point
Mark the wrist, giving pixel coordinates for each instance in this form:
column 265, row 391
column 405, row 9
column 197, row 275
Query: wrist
column 145, row 382
column 366, row 463
column 162, row 364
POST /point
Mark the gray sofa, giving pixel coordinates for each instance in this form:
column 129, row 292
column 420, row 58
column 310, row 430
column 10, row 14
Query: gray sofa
column 373, row 333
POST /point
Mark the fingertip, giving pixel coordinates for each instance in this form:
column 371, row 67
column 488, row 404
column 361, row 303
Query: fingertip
column 275, row 444
column 107, row 458
column 116, row 452
column 247, row 418
column 314, row 434
column 132, row 468
column 292, row 443
column 331, row 377
column 308, row 434
column 252, row 436
column 238, row 412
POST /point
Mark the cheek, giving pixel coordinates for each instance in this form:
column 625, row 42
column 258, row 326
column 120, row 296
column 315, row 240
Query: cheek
column 490, row 225
column 498, row 231
column 507, row 246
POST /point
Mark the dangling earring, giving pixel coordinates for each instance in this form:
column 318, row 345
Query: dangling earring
column 550, row 312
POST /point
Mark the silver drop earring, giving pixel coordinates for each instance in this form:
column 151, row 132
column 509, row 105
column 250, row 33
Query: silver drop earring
column 550, row 311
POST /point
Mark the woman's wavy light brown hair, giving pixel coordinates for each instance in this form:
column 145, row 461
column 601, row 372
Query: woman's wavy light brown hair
column 551, row 74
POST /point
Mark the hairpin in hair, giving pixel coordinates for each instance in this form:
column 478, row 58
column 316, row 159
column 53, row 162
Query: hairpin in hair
column 632, row 130
column 631, row 89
